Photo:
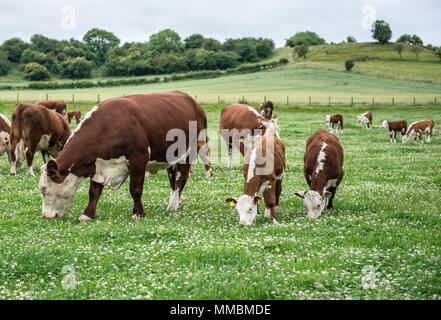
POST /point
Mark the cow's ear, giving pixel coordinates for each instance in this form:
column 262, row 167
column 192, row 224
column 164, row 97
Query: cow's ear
column 52, row 168
column 231, row 201
column 257, row 199
column 327, row 194
column 275, row 118
column 300, row 194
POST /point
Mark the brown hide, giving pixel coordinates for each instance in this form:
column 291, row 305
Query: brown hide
column 57, row 105
column 130, row 126
column 332, row 165
column 337, row 119
column 29, row 123
column 239, row 117
column 420, row 126
column 270, row 153
column 74, row 114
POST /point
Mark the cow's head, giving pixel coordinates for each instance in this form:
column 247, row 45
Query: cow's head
column 406, row 137
column 314, row 202
column 362, row 119
column 271, row 126
column 328, row 118
column 385, row 124
column 57, row 189
column 266, row 109
column 5, row 144
column 247, row 208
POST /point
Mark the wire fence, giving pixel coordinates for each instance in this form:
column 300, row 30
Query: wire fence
column 278, row 99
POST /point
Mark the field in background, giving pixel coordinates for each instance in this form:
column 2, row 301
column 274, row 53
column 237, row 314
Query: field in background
column 384, row 235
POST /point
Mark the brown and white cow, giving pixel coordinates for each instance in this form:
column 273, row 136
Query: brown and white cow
column 395, row 127
column 36, row 128
column 263, row 170
column 74, row 114
column 5, row 128
column 365, row 119
column 123, row 137
column 57, row 105
column 267, row 109
column 417, row 129
column 323, row 170
column 334, row 120
column 240, row 125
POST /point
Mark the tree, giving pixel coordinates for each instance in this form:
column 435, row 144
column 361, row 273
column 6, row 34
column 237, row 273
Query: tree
column 194, row 41
column 351, row 39
column 36, row 72
column 100, row 42
column 381, row 31
column 4, row 64
column 438, row 53
column 165, row 41
column 301, row 51
column 305, row 38
column 77, row 68
column 407, row 38
column 349, row 65
column 32, row 56
column 264, row 47
column 14, row 48
column 211, row 44
column 417, row 50
column 399, row 47
column 44, row 44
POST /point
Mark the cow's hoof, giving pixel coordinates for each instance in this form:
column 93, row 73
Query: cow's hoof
column 276, row 222
column 277, row 208
column 329, row 210
column 208, row 174
column 12, row 174
column 136, row 217
column 83, row 217
column 60, row 214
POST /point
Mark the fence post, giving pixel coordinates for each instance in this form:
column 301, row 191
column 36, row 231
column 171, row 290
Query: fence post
column 393, row 101
column 18, row 97
column 329, row 100
column 218, row 99
column 373, row 100
column 414, row 101
column 435, row 100
column 98, row 97
column 73, row 97
column 47, row 96
column 287, row 101
column 196, row 98
column 352, row 101
column 264, row 98
column 309, row 100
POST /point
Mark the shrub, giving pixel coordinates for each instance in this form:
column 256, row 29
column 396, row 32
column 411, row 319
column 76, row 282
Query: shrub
column 283, row 61
column 349, row 65
column 36, row 72
column 438, row 53
column 305, row 38
column 351, row 39
column 77, row 68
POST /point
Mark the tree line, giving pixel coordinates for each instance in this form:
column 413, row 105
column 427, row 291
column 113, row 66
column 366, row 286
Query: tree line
column 164, row 52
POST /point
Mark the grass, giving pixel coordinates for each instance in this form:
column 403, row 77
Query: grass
column 387, row 216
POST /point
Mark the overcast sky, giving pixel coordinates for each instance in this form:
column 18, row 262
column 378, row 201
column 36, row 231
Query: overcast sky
column 136, row 20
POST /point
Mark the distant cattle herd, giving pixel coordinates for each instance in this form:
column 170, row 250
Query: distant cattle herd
column 143, row 140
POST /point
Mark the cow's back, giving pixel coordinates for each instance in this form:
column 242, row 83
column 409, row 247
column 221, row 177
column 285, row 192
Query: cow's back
column 57, row 105
column 314, row 145
column 239, row 116
column 5, row 124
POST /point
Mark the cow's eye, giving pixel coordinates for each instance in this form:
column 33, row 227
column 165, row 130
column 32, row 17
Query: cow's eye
column 43, row 189
column 318, row 206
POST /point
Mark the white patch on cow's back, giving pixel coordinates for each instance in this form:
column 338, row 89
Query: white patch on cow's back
column 5, row 119
column 321, row 158
column 252, row 164
column 112, row 173
column 87, row 116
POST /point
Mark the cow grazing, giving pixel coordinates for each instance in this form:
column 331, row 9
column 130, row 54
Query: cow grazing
column 337, row 120
column 240, row 125
column 57, row 105
column 74, row 114
column 323, row 170
column 263, row 170
column 394, row 127
column 267, row 109
column 36, row 128
column 5, row 128
column 417, row 129
column 123, row 137
column 365, row 119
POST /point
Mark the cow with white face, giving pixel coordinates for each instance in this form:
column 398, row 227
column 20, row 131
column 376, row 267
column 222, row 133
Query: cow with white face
column 417, row 129
column 263, row 170
column 365, row 119
column 125, row 137
column 5, row 142
column 395, row 127
column 334, row 120
column 323, row 170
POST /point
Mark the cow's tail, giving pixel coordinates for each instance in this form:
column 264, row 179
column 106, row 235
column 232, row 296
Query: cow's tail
column 204, row 149
column 17, row 140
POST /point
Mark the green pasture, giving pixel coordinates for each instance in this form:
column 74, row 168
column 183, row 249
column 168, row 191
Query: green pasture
column 383, row 240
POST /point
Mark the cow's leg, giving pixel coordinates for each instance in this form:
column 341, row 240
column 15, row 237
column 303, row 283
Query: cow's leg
column 229, row 143
column 429, row 138
column 204, row 154
column 137, row 176
column 177, row 175
column 270, row 204
column 278, row 192
column 95, row 191
column 391, row 136
column 420, row 135
column 30, row 153
column 341, row 126
column 45, row 156
column 336, row 127
column 330, row 205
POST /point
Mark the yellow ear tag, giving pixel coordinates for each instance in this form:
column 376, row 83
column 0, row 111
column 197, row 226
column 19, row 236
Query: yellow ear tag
column 232, row 204
column 259, row 201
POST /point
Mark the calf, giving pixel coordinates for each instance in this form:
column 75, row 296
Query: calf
column 240, row 125
column 5, row 128
column 124, row 137
column 417, row 129
column 74, row 114
column 57, row 105
column 337, row 120
column 323, row 170
column 394, row 127
column 263, row 170
column 365, row 119
column 267, row 109
column 36, row 128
